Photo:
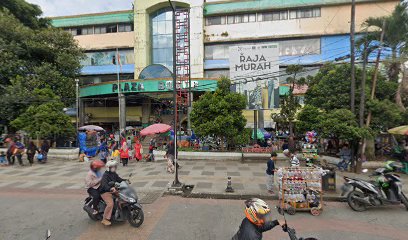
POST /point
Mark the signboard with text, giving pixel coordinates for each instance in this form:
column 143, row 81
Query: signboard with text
column 252, row 68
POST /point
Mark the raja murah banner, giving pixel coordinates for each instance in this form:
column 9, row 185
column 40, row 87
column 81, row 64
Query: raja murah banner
column 253, row 69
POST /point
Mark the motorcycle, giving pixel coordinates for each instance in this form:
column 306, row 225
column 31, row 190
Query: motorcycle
column 386, row 190
column 291, row 231
column 126, row 206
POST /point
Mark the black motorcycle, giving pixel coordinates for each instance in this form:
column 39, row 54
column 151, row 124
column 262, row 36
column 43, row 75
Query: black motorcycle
column 126, row 206
column 291, row 231
column 386, row 190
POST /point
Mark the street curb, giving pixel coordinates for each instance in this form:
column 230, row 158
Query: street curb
column 243, row 196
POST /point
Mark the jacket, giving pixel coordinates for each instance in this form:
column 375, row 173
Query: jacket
column 250, row 231
column 106, row 179
column 92, row 180
column 124, row 153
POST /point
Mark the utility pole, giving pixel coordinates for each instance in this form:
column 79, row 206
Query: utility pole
column 77, row 103
column 176, row 182
column 353, row 55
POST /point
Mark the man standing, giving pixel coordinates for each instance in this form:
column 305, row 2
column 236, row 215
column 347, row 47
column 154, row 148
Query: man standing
column 270, row 171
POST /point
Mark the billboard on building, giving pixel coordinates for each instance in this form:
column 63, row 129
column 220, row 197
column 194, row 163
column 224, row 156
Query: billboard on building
column 254, row 68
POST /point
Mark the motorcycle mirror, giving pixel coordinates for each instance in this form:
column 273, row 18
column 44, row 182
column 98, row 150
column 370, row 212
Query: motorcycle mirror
column 365, row 170
column 48, row 234
column 280, row 210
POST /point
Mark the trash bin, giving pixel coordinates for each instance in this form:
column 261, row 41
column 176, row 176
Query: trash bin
column 329, row 181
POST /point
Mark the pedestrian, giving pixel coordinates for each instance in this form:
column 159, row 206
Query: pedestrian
column 294, row 161
column 170, row 154
column 10, row 151
column 138, row 150
column 44, row 149
column 151, row 148
column 3, row 160
column 103, row 151
column 129, row 142
column 31, row 150
column 124, row 154
column 270, row 172
column 18, row 152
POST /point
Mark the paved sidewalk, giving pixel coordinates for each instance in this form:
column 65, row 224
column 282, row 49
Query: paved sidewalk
column 208, row 177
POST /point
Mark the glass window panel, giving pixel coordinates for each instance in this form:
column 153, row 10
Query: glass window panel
column 275, row 16
column 154, row 28
column 161, row 17
column 245, row 18
column 169, row 15
column 155, row 55
column 128, row 28
column 111, row 28
column 267, row 16
column 252, row 17
column 231, row 19
column 283, row 15
column 293, row 14
column 121, row 28
column 161, row 27
column 316, row 12
column 169, row 27
column 238, row 18
column 97, row 30
column 260, row 17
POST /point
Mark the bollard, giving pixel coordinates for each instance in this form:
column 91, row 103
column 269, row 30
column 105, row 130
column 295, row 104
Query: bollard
column 229, row 188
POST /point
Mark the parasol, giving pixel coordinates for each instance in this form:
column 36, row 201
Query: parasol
column 129, row 128
column 401, row 130
column 91, row 128
column 155, row 129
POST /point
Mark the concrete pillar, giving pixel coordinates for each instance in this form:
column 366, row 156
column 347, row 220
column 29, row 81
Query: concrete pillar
column 122, row 113
column 81, row 112
column 146, row 110
column 261, row 119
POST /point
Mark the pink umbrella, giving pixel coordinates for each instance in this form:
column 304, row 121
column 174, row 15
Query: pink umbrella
column 155, row 129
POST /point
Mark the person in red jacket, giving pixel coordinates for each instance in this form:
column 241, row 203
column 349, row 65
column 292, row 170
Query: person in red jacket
column 124, row 154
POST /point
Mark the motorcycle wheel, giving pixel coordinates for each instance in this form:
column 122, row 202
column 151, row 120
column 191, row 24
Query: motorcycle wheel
column 404, row 200
column 136, row 217
column 354, row 204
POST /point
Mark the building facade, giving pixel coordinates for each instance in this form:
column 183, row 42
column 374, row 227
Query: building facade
column 309, row 33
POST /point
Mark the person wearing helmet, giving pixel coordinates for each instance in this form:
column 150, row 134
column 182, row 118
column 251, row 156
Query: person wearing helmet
column 257, row 220
column 93, row 181
column 392, row 166
column 106, row 189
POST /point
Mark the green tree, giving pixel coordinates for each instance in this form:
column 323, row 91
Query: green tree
column 290, row 103
column 27, row 13
column 44, row 118
column 34, row 57
column 308, row 119
column 220, row 114
column 396, row 39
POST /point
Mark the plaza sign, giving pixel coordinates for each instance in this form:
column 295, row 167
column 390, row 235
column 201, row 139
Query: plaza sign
column 148, row 86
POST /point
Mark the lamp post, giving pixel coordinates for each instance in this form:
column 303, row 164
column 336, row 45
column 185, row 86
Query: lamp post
column 77, row 103
column 176, row 182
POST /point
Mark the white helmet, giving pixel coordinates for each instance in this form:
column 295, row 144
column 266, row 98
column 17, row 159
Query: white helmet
column 286, row 152
column 111, row 163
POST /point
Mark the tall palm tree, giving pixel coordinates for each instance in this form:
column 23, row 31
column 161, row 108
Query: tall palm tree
column 395, row 39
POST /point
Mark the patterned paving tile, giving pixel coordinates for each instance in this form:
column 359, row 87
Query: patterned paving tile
column 160, row 184
column 207, row 173
column 204, row 185
column 198, row 168
column 184, row 173
column 139, row 184
column 153, row 173
column 258, row 174
column 244, row 168
column 233, row 174
column 220, row 168
column 238, row 186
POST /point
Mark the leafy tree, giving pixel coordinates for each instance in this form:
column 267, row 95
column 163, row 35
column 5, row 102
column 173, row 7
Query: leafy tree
column 290, row 103
column 309, row 119
column 44, row 118
column 220, row 114
column 27, row 13
column 33, row 57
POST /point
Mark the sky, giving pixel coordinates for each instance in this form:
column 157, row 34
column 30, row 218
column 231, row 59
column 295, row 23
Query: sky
column 52, row 8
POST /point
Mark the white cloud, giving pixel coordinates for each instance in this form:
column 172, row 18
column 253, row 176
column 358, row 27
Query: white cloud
column 71, row 7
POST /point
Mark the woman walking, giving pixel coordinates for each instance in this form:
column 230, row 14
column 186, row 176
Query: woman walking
column 124, row 154
column 45, row 147
column 31, row 150
column 138, row 150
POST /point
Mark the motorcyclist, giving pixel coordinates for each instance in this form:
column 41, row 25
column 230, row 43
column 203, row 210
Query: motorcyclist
column 93, row 181
column 107, row 190
column 392, row 166
column 257, row 221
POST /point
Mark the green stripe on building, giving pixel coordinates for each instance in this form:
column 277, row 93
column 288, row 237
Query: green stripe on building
column 93, row 19
column 262, row 5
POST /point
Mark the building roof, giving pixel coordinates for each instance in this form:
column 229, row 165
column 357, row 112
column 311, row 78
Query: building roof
column 261, row 5
column 93, row 19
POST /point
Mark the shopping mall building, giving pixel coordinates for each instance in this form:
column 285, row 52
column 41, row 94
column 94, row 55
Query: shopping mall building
column 309, row 33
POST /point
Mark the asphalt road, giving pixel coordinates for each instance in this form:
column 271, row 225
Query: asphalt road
column 26, row 214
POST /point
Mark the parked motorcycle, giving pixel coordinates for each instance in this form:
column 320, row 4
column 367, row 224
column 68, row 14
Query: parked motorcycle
column 126, row 206
column 386, row 190
column 291, row 231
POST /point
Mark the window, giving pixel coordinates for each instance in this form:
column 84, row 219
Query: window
column 316, row 12
column 112, row 29
column 231, row 19
column 305, row 13
column 238, row 18
column 293, row 14
column 283, row 15
column 87, row 31
column 218, row 20
column 267, row 16
column 245, row 18
column 162, row 37
column 125, row 28
column 100, row 30
column 275, row 16
column 252, row 17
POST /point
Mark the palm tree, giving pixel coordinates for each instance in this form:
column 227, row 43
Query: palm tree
column 395, row 39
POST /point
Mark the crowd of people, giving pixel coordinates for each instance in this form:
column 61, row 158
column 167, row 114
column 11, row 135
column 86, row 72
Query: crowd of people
column 17, row 150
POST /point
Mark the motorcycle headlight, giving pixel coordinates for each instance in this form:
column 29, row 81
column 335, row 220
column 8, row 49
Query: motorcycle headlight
column 131, row 200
